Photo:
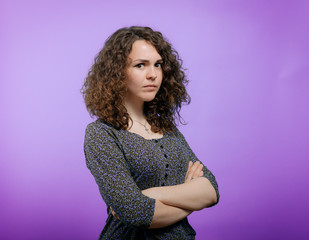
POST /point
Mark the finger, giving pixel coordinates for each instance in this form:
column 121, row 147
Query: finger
column 114, row 214
column 190, row 165
column 193, row 169
column 189, row 168
column 197, row 172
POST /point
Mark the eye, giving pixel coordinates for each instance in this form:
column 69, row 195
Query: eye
column 158, row 65
column 140, row 65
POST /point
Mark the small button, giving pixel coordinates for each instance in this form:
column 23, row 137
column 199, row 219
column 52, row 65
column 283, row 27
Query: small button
column 166, row 175
column 166, row 165
column 165, row 155
column 161, row 146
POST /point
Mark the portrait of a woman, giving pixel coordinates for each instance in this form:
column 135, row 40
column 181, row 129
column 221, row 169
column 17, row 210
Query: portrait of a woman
column 147, row 174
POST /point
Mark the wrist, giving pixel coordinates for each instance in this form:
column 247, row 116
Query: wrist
column 152, row 193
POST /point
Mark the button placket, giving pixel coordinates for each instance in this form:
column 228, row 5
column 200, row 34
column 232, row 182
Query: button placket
column 166, row 167
column 166, row 170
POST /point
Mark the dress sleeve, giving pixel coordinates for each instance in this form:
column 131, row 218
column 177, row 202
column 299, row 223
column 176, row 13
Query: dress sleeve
column 192, row 157
column 106, row 161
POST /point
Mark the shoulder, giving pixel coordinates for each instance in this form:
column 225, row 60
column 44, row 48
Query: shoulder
column 176, row 132
column 99, row 128
column 178, row 137
column 100, row 137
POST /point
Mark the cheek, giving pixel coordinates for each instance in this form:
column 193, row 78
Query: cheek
column 161, row 78
column 136, row 77
column 132, row 80
column 160, row 75
column 131, row 86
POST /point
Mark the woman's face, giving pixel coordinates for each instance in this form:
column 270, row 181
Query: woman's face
column 143, row 73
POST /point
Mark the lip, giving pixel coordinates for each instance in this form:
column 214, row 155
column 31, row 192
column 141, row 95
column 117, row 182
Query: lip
column 150, row 88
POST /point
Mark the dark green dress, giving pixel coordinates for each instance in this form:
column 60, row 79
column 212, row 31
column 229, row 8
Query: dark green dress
column 123, row 164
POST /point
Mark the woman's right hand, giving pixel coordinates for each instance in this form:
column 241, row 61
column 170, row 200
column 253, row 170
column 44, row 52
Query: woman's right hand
column 194, row 171
column 114, row 214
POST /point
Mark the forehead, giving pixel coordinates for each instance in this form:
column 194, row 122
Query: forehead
column 143, row 49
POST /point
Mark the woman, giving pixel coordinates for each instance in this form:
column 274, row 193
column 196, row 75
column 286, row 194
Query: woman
column 147, row 174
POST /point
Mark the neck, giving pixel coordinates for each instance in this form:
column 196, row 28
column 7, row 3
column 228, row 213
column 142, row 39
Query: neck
column 135, row 109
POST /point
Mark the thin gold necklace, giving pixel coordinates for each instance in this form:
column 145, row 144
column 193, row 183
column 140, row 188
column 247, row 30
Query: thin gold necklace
column 144, row 125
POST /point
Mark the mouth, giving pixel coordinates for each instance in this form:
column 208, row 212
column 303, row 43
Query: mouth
column 150, row 86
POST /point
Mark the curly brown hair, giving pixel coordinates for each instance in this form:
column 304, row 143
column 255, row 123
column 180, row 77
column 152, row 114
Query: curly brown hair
column 104, row 88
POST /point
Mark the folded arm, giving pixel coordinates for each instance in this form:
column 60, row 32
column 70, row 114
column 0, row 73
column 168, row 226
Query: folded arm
column 194, row 194
column 174, row 203
column 165, row 215
column 169, row 209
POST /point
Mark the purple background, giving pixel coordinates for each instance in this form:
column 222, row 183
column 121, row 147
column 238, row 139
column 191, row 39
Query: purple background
column 248, row 63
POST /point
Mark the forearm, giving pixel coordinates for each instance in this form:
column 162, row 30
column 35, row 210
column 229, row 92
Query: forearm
column 165, row 215
column 194, row 195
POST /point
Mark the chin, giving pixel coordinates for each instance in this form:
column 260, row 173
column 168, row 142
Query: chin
column 149, row 98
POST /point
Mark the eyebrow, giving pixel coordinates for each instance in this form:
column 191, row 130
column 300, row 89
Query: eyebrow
column 146, row 61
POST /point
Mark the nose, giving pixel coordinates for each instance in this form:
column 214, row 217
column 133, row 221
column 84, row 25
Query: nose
column 151, row 73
